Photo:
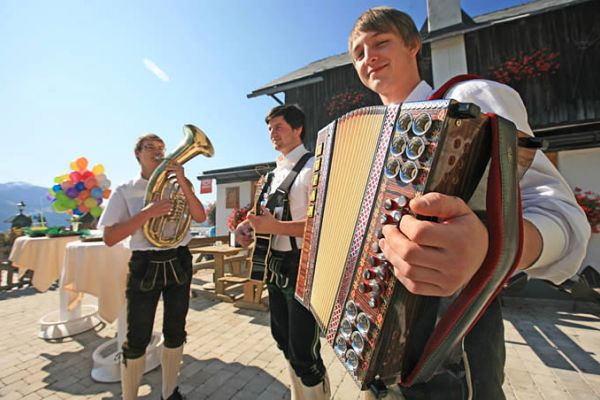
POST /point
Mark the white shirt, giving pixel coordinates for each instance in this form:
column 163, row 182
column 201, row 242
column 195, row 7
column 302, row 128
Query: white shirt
column 126, row 201
column 548, row 201
column 299, row 192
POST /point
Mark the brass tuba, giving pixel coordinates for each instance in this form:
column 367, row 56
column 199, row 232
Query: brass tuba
column 169, row 230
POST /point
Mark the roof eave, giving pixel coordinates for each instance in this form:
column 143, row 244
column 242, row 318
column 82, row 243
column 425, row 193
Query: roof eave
column 271, row 90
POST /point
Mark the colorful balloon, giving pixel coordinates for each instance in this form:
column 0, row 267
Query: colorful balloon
column 98, row 169
column 84, row 194
column 90, row 183
column 66, row 184
column 85, row 175
column 90, row 202
column 81, row 163
column 75, row 176
column 71, row 192
column 81, row 190
column 96, row 193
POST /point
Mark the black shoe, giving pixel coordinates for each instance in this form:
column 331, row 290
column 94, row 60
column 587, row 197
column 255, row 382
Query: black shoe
column 175, row 395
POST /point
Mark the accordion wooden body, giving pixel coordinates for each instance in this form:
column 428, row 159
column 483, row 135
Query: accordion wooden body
column 369, row 164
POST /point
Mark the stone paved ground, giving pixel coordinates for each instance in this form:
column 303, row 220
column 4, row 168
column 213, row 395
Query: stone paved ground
column 553, row 353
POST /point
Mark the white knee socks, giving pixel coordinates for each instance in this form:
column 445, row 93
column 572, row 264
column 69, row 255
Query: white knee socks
column 170, row 364
column 131, row 375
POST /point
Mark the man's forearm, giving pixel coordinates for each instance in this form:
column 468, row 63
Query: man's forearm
column 289, row 228
column 532, row 245
column 115, row 233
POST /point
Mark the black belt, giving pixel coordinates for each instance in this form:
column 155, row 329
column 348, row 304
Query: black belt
column 289, row 253
column 159, row 255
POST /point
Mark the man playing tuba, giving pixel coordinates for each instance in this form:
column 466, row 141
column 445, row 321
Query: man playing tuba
column 152, row 271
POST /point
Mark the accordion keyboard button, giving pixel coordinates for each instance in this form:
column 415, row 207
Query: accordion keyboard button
column 386, row 219
column 358, row 343
column 351, row 360
column 409, row 172
column 375, row 260
column 382, row 272
column 346, row 328
column 422, row 123
column 404, row 123
column 351, row 310
column 391, row 169
column 398, row 145
column 363, row 287
column 375, row 248
column 368, row 274
column 373, row 302
column 375, row 288
column 340, row 345
column 396, row 203
column 363, row 324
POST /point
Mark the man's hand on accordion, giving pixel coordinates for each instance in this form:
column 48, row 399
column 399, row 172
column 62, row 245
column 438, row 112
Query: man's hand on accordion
column 436, row 258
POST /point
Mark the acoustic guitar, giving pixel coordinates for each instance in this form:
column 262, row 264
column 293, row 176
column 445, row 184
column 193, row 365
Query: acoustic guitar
column 262, row 243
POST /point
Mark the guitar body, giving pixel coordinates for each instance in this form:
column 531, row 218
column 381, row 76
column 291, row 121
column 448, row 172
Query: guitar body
column 260, row 257
column 262, row 243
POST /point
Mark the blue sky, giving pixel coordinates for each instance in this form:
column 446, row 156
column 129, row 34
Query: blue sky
column 86, row 78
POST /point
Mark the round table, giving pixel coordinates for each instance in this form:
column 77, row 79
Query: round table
column 45, row 257
column 101, row 271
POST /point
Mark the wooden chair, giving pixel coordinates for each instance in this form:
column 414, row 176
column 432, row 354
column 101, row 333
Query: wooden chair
column 252, row 296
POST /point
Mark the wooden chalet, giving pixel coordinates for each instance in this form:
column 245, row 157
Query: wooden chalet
column 548, row 50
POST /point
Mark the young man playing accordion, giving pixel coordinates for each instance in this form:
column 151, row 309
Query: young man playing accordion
column 439, row 258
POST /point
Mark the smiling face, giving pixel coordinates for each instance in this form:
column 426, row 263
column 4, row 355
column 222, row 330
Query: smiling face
column 283, row 136
column 385, row 64
column 150, row 153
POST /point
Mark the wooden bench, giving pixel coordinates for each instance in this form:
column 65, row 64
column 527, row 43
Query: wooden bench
column 234, row 261
column 252, row 296
column 9, row 277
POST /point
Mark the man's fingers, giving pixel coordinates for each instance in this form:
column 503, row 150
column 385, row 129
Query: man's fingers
column 439, row 205
column 399, row 249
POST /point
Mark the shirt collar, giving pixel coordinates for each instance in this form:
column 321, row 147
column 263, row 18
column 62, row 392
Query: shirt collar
column 139, row 179
column 292, row 157
column 420, row 92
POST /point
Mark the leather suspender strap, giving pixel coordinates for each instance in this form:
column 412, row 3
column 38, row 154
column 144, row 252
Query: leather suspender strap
column 281, row 196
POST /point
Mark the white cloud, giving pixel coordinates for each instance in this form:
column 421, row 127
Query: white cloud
column 152, row 67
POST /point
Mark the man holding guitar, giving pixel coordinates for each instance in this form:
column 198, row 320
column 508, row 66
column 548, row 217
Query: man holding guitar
column 279, row 227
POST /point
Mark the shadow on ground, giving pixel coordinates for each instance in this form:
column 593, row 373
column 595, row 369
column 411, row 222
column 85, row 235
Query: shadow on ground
column 547, row 337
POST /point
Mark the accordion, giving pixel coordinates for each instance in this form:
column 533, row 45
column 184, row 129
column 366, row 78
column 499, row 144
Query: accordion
column 368, row 165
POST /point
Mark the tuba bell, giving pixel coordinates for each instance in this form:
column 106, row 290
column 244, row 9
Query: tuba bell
column 169, row 230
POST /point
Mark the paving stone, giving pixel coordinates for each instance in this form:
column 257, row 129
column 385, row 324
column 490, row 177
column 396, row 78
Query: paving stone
column 552, row 353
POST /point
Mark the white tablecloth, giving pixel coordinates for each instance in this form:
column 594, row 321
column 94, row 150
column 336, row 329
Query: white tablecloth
column 43, row 255
column 99, row 270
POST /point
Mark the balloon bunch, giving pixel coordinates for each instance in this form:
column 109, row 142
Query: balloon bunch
column 81, row 190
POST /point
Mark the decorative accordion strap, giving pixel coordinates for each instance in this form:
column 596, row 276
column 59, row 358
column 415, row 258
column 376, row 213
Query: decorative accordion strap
column 505, row 229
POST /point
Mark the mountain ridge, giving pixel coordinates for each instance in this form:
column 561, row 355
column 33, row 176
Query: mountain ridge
column 35, row 199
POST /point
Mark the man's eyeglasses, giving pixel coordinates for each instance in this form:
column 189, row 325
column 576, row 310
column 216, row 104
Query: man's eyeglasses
column 151, row 147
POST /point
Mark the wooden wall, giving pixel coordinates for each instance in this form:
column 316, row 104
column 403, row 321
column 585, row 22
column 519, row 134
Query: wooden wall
column 551, row 59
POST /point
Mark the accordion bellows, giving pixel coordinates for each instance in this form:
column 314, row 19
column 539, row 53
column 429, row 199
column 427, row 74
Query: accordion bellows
column 368, row 165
